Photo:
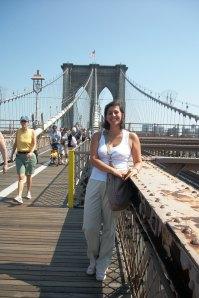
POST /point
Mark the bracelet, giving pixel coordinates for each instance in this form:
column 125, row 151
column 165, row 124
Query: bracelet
column 134, row 168
column 131, row 170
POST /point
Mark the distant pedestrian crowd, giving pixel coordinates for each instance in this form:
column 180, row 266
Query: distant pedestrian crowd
column 64, row 139
column 25, row 146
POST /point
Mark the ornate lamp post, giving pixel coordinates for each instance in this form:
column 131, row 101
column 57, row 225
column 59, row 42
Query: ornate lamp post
column 37, row 87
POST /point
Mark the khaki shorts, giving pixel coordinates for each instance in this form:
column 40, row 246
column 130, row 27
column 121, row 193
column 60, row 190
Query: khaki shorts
column 24, row 164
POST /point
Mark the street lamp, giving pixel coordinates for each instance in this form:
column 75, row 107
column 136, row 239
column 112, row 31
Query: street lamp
column 37, row 87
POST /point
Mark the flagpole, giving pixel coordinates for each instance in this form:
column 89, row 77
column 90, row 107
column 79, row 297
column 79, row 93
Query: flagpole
column 92, row 56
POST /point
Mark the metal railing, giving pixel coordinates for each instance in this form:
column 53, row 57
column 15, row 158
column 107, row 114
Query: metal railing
column 81, row 159
column 78, row 168
column 164, row 130
column 146, row 273
column 9, row 126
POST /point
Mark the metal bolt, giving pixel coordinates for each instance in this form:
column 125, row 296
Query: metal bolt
column 194, row 241
column 168, row 213
column 186, row 230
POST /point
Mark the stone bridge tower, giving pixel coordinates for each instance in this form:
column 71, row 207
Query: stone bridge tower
column 103, row 76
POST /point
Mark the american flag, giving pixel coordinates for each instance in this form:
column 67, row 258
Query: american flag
column 92, row 54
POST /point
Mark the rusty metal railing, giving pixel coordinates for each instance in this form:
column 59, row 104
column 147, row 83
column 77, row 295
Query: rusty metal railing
column 81, row 159
column 82, row 169
column 146, row 273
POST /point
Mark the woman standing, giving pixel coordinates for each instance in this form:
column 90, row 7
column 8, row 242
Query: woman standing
column 121, row 145
column 25, row 143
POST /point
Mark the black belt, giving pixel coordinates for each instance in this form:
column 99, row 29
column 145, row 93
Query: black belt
column 23, row 152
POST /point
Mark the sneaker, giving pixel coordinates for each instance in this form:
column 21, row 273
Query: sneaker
column 100, row 276
column 91, row 269
column 18, row 199
column 28, row 196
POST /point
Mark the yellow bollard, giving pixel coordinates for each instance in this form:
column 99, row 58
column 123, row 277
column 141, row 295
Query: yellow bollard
column 71, row 177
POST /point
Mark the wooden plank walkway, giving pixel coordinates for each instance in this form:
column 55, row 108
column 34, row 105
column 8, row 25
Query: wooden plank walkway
column 43, row 249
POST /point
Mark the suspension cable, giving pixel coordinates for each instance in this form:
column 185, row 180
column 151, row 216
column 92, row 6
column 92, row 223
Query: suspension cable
column 30, row 92
column 60, row 114
column 183, row 112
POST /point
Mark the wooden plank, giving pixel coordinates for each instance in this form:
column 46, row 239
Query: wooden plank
column 43, row 249
column 50, row 295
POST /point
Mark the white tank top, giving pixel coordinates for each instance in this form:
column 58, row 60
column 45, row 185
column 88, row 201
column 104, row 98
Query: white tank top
column 119, row 156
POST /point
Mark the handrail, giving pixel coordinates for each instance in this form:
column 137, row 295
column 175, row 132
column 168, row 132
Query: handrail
column 147, row 274
column 71, row 177
column 77, row 161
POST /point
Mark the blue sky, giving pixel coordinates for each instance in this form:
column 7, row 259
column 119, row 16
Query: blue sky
column 157, row 40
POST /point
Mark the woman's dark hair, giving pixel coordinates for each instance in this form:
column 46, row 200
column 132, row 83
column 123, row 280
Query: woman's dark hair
column 106, row 125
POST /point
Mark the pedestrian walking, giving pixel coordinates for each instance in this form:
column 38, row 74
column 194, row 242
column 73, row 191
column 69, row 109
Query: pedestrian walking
column 122, row 146
column 72, row 141
column 25, row 144
column 4, row 153
column 64, row 142
column 55, row 141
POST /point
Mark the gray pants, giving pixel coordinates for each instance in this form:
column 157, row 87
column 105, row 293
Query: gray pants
column 97, row 212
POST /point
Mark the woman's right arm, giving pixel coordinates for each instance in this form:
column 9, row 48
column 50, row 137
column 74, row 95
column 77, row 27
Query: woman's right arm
column 94, row 158
column 3, row 151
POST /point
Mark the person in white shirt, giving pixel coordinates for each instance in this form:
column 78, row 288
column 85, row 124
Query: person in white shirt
column 121, row 145
column 72, row 141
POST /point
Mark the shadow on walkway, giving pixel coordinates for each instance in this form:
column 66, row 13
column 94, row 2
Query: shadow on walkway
column 65, row 275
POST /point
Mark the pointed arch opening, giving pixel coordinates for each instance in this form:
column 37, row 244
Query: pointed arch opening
column 105, row 97
column 82, row 108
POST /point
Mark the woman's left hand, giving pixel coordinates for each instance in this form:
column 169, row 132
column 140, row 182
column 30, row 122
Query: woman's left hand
column 29, row 155
column 130, row 173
